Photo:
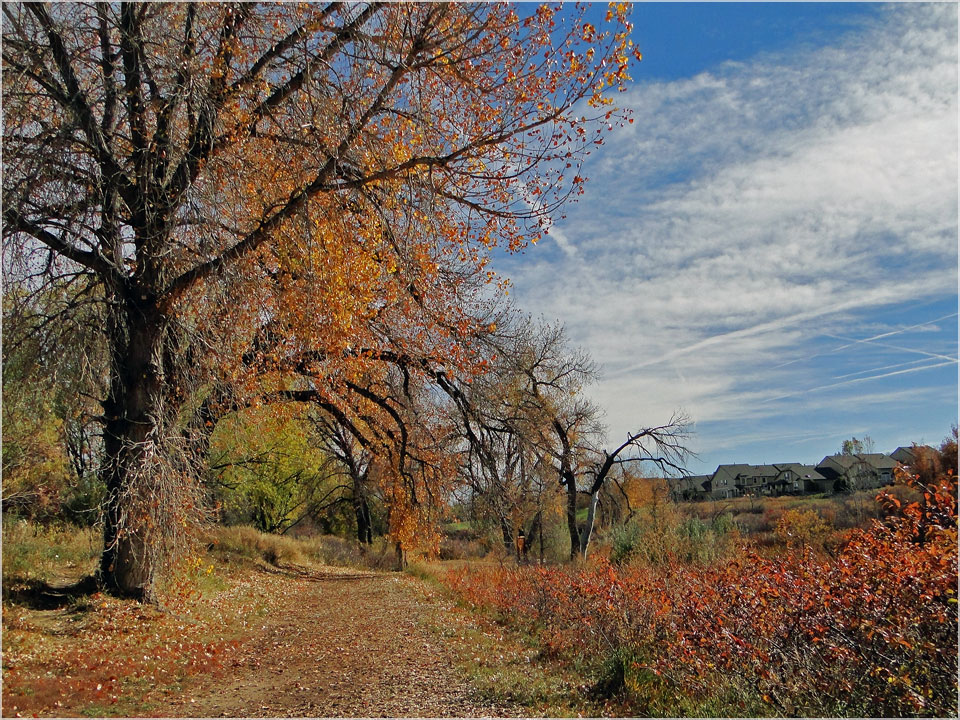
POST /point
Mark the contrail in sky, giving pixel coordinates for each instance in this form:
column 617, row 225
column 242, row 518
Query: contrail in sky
column 951, row 361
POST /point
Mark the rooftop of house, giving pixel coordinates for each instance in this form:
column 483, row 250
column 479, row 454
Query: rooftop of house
column 807, row 472
column 878, row 461
column 730, row 471
column 745, row 473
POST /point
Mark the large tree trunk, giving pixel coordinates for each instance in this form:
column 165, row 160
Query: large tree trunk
column 364, row 525
column 535, row 529
column 132, row 441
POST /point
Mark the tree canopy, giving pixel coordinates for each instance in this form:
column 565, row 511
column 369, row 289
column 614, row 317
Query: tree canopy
column 281, row 202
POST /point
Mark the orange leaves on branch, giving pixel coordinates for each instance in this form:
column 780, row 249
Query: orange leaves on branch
column 295, row 191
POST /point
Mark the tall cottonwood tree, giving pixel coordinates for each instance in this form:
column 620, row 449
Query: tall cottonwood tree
column 249, row 184
column 528, row 415
column 502, row 461
column 571, row 433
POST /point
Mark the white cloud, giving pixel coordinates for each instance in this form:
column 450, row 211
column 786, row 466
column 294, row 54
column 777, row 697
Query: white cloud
column 755, row 208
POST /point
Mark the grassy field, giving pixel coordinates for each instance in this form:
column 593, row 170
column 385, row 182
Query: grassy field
column 757, row 518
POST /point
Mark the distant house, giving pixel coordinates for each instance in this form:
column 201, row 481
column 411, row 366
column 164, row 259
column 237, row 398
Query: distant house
column 689, row 488
column 868, row 471
column 723, row 484
column 909, row 455
column 731, row 481
column 796, row 479
column 757, row 480
column 835, row 473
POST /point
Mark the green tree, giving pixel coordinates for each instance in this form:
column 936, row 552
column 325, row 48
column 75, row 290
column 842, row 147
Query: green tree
column 265, row 472
column 49, row 430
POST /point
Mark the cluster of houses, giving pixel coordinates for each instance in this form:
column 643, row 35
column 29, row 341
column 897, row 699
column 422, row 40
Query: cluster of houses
column 834, row 474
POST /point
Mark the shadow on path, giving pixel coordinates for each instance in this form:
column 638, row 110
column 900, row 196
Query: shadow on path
column 39, row 595
column 295, row 571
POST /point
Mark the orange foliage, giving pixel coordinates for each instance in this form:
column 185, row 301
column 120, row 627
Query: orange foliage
column 468, row 149
column 291, row 199
column 871, row 631
column 802, row 528
column 643, row 491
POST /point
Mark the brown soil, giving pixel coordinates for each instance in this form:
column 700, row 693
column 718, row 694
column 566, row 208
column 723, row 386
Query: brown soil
column 339, row 643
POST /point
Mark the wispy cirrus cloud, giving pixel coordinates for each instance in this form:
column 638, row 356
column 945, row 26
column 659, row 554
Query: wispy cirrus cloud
column 755, row 212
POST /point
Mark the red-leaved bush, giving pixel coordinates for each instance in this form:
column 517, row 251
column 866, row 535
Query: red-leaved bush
column 870, row 630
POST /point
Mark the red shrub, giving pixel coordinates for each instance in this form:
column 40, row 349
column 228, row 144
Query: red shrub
column 871, row 630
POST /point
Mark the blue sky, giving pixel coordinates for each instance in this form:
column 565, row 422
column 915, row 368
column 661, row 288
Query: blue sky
column 771, row 246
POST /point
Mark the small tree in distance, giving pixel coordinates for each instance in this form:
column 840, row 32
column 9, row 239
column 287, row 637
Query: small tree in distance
column 857, row 446
column 566, row 430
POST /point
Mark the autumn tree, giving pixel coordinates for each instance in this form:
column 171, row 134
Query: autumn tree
column 393, row 450
column 929, row 463
column 509, row 482
column 384, row 459
column 530, row 417
column 575, row 437
column 278, row 197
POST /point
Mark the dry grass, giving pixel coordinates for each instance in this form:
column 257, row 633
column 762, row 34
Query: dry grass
column 280, row 550
column 34, row 554
column 757, row 518
column 250, row 543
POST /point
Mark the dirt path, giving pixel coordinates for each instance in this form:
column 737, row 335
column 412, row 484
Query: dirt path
column 340, row 644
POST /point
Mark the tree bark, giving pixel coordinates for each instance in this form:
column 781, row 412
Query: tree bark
column 364, row 525
column 131, row 440
column 535, row 529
